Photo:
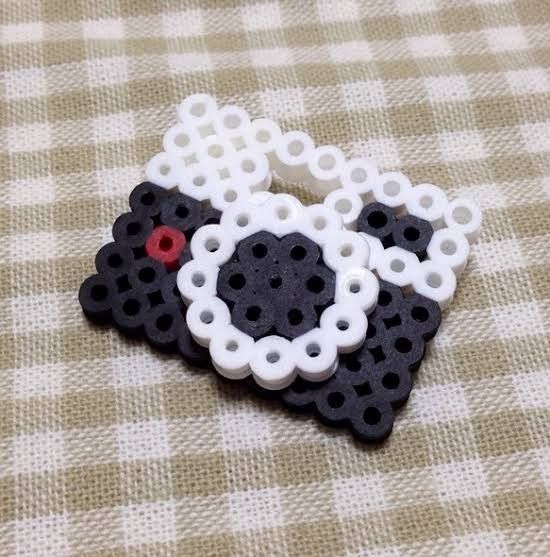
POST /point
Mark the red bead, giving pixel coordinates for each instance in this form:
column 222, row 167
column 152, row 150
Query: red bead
column 165, row 244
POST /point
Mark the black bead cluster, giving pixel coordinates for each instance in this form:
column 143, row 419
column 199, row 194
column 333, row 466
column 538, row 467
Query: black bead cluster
column 276, row 286
column 371, row 382
column 408, row 232
column 136, row 292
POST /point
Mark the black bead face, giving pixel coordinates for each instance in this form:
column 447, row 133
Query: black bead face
column 276, row 286
column 408, row 232
column 372, row 381
column 272, row 286
column 136, row 292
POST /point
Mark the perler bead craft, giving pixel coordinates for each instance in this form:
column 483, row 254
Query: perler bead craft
column 328, row 307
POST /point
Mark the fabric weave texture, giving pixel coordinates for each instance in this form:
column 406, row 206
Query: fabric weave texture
column 108, row 448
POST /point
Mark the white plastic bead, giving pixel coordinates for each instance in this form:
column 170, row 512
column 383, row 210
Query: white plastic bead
column 449, row 246
column 345, row 250
column 216, row 152
column 283, row 212
column 206, row 318
column 165, row 170
column 241, row 220
column 391, row 188
column 260, row 197
column 325, row 166
column 273, row 363
column 181, row 140
column 319, row 222
column 264, row 134
column 228, row 193
column 252, row 170
column 464, row 215
column 376, row 249
column 435, row 281
column 212, row 244
column 293, row 151
column 231, row 351
column 199, row 111
column 427, row 202
column 232, row 122
column 346, row 324
column 397, row 265
column 198, row 182
column 347, row 204
column 315, row 353
column 196, row 279
column 358, row 176
column 359, row 287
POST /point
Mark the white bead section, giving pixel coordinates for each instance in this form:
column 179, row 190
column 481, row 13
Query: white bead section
column 325, row 166
column 347, row 204
column 347, row 324
column 206, row 318
column 222, row 157
column 465, row 216
column 345, row 250
column 450, row 247
column 392, row 188
column 199, row 111
column 197, row 279
column 358, row 287
column 435, row 281
column 358, row 176
column 397, row 265
column 293, row 152
column 165, row 170
column 427, row 202
column 212, row 244
column 274, row 361
column 231, row 351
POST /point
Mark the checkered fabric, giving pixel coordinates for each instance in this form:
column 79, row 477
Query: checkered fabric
column 107, row 448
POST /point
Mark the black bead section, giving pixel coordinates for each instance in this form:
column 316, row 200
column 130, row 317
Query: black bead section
column 412, row 234
column 162, row 325
column 146, row 199
column 209, row 215
column 378, row 220
column 96, row 296
column 129, row 310
column 169, row 289
column 114, row 259
column 146, row 275
column 132, row 230
column 181, row 212
column 190, row 351
column 254, row 316
column 276, row 286
column 370, row 382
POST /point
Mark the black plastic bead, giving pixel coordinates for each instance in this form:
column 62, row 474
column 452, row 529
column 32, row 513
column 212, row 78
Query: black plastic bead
column 96, row 295
column 253, row 315
column 297, row 248
column 162, row 325
column 390, row 300
column 129, row 310
column 259, row 250
column 391, row 382
column 423, row 314
column 234, row 282
column 335, row 401
column 372, row 418
column 412, row 234
column 317, row 284
column 403, row 346
column 114, row 259
column 181, row 212
column 209, row 215
column 146, row 275
column 295, row 317
column 191, row 352
column 146, row 199
column 169, row 289
column 132, row 230
column 378, row 220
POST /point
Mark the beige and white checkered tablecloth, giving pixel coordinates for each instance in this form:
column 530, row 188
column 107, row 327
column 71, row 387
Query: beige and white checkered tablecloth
column 108, row 448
